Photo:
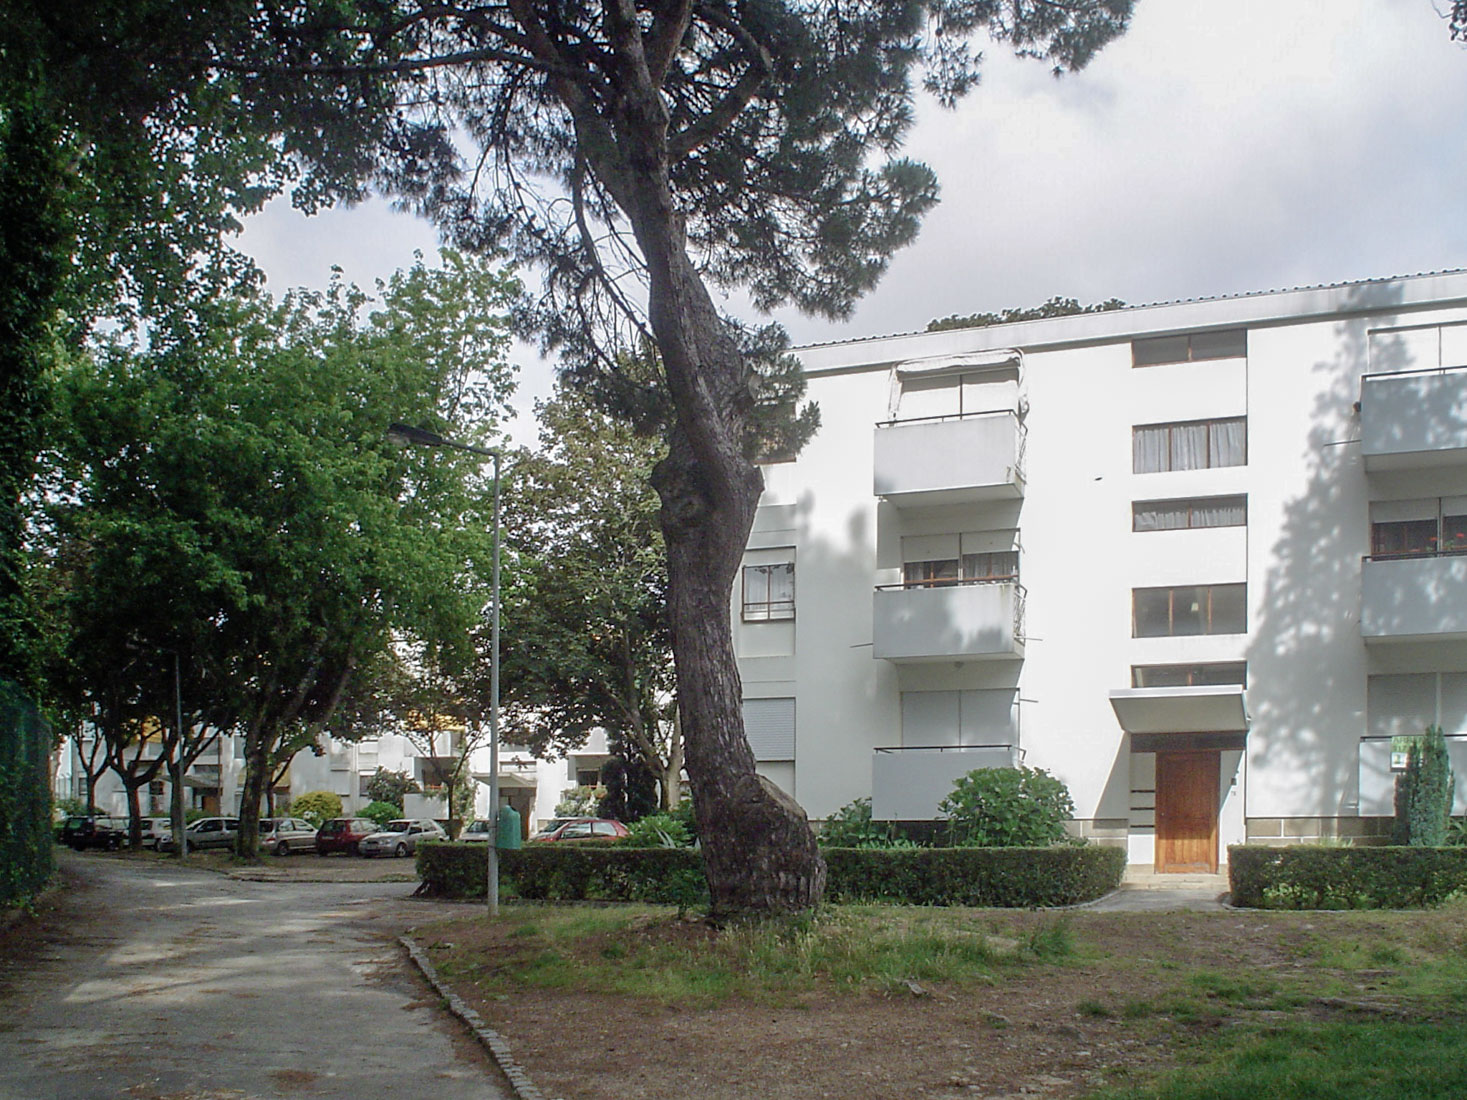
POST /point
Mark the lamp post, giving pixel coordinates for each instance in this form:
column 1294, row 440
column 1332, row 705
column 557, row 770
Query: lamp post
column 406, row 435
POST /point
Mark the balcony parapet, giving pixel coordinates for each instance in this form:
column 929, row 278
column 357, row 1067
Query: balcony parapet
column 1414, row 419
column 908, row 783
column 959, row 620
column 950, row 459
column 1413, row 597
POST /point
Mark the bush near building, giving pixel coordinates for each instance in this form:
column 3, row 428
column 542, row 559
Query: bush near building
column 317, row 807
column 1308, row 876
column 1007, row 808
column 586, row 871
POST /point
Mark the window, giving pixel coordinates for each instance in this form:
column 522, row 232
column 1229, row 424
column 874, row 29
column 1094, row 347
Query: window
column 1418, row 528
column 769, row 592
column 1000, row 565
column 1182, row 515
column 1189, row 347
column 1185, row 611
column 1189, row 445
column 769, row 725
column 1165, row 676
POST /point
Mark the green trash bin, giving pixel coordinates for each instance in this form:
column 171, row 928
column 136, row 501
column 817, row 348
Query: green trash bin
column 510, row 833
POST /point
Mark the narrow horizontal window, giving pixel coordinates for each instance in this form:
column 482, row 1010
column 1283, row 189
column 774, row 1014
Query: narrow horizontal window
column 1442, row 530
column 1189, row 610
column 1189, row 445
column 1221, row 673
column 999, row 565
column 769, row 592
column 1190, row 347
column 1195, row 512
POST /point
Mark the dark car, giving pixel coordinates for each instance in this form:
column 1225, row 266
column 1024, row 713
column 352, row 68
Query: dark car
column 94, row 831
column 343, row 834
column 580, row 828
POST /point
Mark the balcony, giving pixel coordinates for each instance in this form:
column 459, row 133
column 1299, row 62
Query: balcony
column 1413, row 598
column 908, row 783
column 977, row 621
column 950, row 460
column 1414, row 419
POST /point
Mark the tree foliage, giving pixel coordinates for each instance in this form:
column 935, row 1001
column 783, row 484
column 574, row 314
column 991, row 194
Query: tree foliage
column 1055, row 307
column 236, row 502
column 1424, row 793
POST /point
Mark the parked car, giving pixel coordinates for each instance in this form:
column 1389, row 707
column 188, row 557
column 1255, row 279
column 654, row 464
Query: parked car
column 343, row 834
column 477, row 831
column 94, row 831
column 155, row 831
column 206, row 832
column 400, row 838
column 580, row 828
column 283, row 835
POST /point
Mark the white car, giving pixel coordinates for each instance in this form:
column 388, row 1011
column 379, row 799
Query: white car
column 400, row 838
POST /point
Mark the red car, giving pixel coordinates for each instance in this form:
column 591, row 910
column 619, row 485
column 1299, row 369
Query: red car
column 343, row 834
column 580, row 828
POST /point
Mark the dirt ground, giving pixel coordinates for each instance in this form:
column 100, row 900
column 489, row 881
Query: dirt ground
column 1041, row 1031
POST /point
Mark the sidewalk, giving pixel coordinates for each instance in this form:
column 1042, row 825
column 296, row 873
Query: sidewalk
column 1142, row 890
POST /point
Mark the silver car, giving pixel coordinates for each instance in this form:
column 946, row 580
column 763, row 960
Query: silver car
column 283, row 835
column 400, row 838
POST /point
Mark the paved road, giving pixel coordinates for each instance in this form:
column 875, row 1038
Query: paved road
column 176, row 984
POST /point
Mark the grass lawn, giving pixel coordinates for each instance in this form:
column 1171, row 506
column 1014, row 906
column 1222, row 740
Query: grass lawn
column 886, row 1001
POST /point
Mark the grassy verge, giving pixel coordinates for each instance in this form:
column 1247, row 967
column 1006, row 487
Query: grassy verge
column 645, row 953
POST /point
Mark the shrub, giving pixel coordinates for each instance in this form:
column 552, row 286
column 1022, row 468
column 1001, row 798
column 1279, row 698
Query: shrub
column 1007, row 808
column 851, row 827
column 1007, row 877
column 381, row 812
column 1308, row 876
column 386, row 786
column 658, row 831
column 316, row 806
column 1424, row 793
column 999, row 877
column 580, row 802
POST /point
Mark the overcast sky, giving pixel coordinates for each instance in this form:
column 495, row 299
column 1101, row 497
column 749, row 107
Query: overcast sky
column 1216, row 148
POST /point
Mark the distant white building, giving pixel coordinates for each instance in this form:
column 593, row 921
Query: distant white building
column 1201, row 560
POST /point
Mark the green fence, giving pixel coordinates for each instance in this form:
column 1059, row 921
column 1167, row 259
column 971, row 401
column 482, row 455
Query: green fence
column 26, row 855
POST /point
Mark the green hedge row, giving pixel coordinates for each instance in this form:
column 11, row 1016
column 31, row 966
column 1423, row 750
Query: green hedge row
column 1009, row 878
column 1311, row 877
column 998, row 877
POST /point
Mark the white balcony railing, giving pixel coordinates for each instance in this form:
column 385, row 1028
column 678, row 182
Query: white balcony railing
column 1412, row 419
column 972, row 620
column 950, row 460
column 1414, row 598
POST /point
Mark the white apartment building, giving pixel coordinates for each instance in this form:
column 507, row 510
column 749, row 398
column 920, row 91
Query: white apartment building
column 1202, row 560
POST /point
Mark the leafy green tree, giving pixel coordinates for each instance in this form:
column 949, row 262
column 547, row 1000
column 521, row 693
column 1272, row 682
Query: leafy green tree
column 748, row 145
column 1008, row 808
column 317, row 807
column 1424, row 793
column 382, row 812
column 1055, row 307
column 237, row 502
column 591, row 647
column 389, row 786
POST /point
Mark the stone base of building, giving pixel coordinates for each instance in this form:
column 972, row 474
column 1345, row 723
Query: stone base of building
column 1280, row 831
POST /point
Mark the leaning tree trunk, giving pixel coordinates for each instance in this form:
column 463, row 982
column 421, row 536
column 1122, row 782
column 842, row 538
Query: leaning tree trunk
column 758, row 851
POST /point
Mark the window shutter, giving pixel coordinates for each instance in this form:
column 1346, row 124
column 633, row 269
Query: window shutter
column 769, row 724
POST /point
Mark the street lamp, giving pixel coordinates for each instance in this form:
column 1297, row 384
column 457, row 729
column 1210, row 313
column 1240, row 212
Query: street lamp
column 406, row 435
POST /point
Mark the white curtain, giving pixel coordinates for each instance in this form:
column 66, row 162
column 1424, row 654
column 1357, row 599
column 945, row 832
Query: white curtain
column 1229, row 443
column 1149, row 449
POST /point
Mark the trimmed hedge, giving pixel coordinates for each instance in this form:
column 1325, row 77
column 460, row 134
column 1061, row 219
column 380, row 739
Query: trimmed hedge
column 1007, row 878
column 1307, row 876
column 997, row 877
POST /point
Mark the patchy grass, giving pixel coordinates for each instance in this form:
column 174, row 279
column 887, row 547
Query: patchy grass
column 939, row 1003
column 648, row 954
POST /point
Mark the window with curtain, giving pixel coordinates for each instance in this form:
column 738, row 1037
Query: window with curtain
column 1188, row 610
column 769, row 592
column 999, row 565
column 1186, row 514
column 1191, row 347
column 1189, row 445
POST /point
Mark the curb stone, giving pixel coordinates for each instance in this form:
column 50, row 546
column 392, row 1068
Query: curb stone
column 491, row 1040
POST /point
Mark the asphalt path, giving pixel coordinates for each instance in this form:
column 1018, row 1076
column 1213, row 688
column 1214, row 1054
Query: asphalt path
column 167, row 983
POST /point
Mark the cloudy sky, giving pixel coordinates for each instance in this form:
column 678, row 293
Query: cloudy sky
column 1217, row 148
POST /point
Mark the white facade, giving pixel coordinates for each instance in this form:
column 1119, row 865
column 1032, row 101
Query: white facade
column 1176, row 555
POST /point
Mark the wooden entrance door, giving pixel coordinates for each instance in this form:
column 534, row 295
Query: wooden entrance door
column 1186, row 811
